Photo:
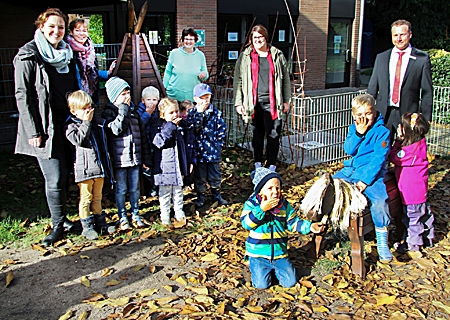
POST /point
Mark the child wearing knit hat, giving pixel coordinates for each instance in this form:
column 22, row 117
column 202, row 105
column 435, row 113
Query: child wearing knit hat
column 128, row 147
column 269, row 217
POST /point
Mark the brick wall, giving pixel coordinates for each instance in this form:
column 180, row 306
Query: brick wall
column 313, row 25
column 200, row 14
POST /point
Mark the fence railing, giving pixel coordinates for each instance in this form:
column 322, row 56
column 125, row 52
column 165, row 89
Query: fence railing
column 317, row 126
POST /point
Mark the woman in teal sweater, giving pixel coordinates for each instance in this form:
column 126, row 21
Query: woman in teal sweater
column 185, row 68
column 269, row 217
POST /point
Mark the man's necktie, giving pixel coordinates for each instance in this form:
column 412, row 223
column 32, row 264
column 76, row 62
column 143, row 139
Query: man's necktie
column 398, row 71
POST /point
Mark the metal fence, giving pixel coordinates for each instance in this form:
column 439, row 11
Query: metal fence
column 317, row 126
column 313, row 133
column 438, row 139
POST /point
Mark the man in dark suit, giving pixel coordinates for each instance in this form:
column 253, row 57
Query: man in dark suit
column 401, row 78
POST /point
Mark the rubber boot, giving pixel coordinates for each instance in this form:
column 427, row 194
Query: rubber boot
column 217, row 197
column 382, row 244
column 53, row 236
column 88, row 225
column 70, row 226
column 200, row 202
column 101, row 226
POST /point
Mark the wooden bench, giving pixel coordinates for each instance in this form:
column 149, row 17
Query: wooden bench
column 361, row 224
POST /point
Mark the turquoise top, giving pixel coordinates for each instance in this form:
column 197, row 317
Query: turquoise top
column 181, row 74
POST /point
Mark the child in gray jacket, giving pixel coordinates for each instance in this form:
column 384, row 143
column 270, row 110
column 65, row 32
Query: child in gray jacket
column 92, row 162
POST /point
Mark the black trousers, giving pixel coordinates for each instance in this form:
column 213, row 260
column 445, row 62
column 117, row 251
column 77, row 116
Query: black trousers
column 264, row 127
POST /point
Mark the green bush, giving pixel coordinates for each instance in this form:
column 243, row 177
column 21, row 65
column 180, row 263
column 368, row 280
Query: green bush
column 440, row 67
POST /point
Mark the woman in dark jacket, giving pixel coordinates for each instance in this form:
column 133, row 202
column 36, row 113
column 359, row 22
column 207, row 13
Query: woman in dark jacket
column 44, row 75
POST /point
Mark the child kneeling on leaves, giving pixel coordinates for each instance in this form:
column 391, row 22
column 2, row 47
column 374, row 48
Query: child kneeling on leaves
column 92, row 162
column 269, row 217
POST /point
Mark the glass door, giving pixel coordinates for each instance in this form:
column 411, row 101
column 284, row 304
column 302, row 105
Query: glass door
column 338, row 53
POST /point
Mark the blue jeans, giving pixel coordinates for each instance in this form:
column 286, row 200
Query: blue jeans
column 207, row 172
column 127, row 179
column 261, row 270
column 378, row 197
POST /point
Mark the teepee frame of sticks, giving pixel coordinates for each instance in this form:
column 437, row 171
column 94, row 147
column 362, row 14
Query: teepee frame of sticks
column 135, row 63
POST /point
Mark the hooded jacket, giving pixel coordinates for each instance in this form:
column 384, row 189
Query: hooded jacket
column 242, row 86
column 33, row 96
column 368, row 152
column 411, row 171
column 91, row 151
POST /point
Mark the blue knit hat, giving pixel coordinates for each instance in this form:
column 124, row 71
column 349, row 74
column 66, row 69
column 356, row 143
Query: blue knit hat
column 261, row 175
column 114, row 87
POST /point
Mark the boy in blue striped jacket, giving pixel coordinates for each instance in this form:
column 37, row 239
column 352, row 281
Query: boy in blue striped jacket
column 269, row 217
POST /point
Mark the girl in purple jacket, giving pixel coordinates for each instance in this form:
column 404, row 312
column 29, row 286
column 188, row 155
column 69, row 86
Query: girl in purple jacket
column 409, row 155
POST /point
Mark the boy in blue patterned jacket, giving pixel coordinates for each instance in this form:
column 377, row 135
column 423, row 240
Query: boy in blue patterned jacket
column 269, row 217
column 210, row 131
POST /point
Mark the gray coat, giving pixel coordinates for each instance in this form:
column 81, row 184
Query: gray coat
column 33, row 102
column 91, row 152
column 242, row 84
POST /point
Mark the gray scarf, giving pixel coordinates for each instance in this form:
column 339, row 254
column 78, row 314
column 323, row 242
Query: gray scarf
column 59, row 58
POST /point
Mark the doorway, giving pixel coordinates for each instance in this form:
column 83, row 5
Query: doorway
column 338, row 53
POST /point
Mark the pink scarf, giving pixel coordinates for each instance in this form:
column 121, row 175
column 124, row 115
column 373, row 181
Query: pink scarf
column 255, row 72
column 89, row 71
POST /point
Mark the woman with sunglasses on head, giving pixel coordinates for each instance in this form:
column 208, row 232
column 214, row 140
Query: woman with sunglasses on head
column 186, row 67
column 45, row 74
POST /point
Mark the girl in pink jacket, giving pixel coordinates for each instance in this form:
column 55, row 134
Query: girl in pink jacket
column 409, row 155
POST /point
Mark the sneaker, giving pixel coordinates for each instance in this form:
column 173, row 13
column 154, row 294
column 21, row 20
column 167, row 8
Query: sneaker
column 401, row 247
column 124, row 224
column 180, row 216
column 137, row 221
column 165, row 221
column 200, row 202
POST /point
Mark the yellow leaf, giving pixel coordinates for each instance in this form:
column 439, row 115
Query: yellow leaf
column 94, row 297
column 9, row 278
column 112, row 283
column 83, row 315
column 306, row 283
column 168, row 288
column 221, row 308
column 204, row 299
column 397, row 315
column 188, row 309
column 444, row 253
column 9, row 261
column 63, row 251
column 254, row 308
column 210, row 257
column 179, row 224
column 120, row 302
column 138, row 267
column 84, row 257
column 181, row 280
column 317, row 308
column 439, row 304
column 85, row 281
column 166, row 300
column 199, row 290
column 424, row 263
column 384, row 298
column 152, row 269
column 66, row 315
column 147, row 292
column 107, row 272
